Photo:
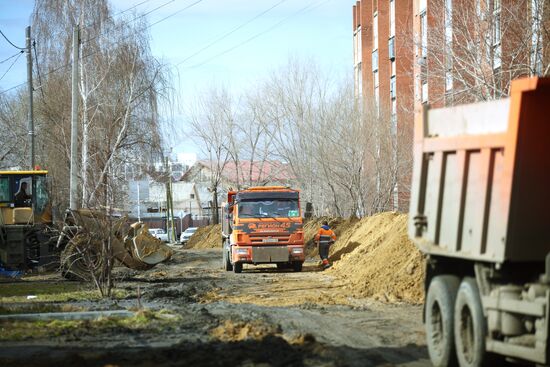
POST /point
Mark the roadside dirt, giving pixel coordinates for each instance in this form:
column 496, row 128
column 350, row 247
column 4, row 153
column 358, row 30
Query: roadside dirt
column 261, row 317
column 373, row 257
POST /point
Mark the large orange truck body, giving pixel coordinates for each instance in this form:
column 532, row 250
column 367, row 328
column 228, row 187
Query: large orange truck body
column 479, row 211
column 270, row 232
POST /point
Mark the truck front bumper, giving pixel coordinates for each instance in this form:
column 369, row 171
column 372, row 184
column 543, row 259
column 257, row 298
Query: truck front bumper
column 267, row 254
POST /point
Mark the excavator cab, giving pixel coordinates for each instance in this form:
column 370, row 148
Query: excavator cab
column 25, row 217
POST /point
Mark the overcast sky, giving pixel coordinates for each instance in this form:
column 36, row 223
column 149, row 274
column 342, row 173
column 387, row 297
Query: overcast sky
column 316, row 29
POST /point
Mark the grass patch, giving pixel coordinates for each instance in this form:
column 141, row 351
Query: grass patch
column 16, row 308
column 52, row 292
column 144, row 320
column 25, row 288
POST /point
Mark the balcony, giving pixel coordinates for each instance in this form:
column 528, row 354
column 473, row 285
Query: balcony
column 391, row 48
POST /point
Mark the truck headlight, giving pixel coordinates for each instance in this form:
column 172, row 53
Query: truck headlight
column 242, row 251
column 298, row 250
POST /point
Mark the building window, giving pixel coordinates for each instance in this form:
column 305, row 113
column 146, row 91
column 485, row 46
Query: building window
column 392, row 18
column 424, row 34
column 424, row 92
column 448, row 81
column 448, row 21
column 357, row 49
column 393, row 91
column 375, row 60
column 358, row 80
column 422, row 6
column 393, row 71
column 375, row 32
column 536, row 38
column 391, row 48
column 497, row 49
column 376, row 91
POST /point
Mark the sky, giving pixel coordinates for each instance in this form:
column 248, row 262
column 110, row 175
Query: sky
column 320, row 30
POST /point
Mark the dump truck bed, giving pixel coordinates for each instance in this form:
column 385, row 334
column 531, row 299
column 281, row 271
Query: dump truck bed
column 481, row 178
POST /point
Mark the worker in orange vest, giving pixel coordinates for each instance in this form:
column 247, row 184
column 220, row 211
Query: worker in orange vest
column 324, row 238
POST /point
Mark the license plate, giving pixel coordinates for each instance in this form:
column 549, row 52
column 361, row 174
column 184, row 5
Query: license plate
column 270, row 240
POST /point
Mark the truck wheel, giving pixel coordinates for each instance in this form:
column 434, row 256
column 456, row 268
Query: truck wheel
column 238, row 268
column 439, row 310
column 297, row 267
column 226, row 262
column 470, row 329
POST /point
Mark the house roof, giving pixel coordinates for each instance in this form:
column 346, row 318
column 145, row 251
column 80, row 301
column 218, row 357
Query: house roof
column 270, row 171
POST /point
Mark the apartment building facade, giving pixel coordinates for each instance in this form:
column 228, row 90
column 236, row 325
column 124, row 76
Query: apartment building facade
column 471, row 50
column 443, row 52
column 383, row 66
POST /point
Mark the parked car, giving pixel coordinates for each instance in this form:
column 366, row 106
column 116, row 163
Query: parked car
column 186, row 235
column 159, row 233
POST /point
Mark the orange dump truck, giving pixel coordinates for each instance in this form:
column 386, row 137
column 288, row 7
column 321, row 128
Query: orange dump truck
column 480, row 212
column 262, row 225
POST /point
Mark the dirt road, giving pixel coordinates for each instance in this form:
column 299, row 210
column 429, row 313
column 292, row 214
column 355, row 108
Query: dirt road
column 261, row 317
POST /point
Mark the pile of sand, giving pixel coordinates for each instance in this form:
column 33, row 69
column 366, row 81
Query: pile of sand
column 236, row 331
column 376, row 259
column 206, row 237
column 341, row 227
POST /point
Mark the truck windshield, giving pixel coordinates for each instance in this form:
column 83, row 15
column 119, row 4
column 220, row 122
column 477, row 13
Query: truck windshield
column 278, row 208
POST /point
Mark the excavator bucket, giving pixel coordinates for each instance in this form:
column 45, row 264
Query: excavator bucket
column 90, row 230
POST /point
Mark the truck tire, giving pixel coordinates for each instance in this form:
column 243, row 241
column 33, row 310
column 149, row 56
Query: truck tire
column 238, row 268
column 226, row 261
column 439, row 315
column 297, row 267
column 470, row 327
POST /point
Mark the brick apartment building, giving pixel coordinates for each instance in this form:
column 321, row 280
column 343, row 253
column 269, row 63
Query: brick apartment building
column 443, row 52
column 470, row 50
column 383, row 64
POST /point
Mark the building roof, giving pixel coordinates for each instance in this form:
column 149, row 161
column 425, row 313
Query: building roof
column 267, row 171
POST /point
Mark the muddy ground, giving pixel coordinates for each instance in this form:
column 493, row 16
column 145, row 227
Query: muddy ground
column 262, row 317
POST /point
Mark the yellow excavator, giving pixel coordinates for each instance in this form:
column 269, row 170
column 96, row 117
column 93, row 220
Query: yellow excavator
column 29, row 238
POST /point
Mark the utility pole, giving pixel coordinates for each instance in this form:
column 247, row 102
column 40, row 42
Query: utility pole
column 138, row 203
column 29, row 84
column 73, row 183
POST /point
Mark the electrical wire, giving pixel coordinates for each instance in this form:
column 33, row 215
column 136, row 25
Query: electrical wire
column 231, row 32
column 10, row 42
column 95, row 52
column 115, row 15
column 13, row 63
column 303, row 10
column 11, row 57
column 131, row 20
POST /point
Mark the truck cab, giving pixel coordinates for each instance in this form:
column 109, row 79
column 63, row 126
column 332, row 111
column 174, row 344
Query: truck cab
column 25, row 216
column 263, row 225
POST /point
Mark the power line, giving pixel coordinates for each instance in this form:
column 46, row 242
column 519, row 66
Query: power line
column 175, row 13
column 10, row 42
column 116, row 15
column 11, row 57
column 132, row 20
column 95, row 52
column 303, row 10
column 13, row 63
column 231, row 32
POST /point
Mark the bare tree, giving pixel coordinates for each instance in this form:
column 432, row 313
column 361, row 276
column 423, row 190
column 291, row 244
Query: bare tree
column 473, row 50
column 209, row 122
